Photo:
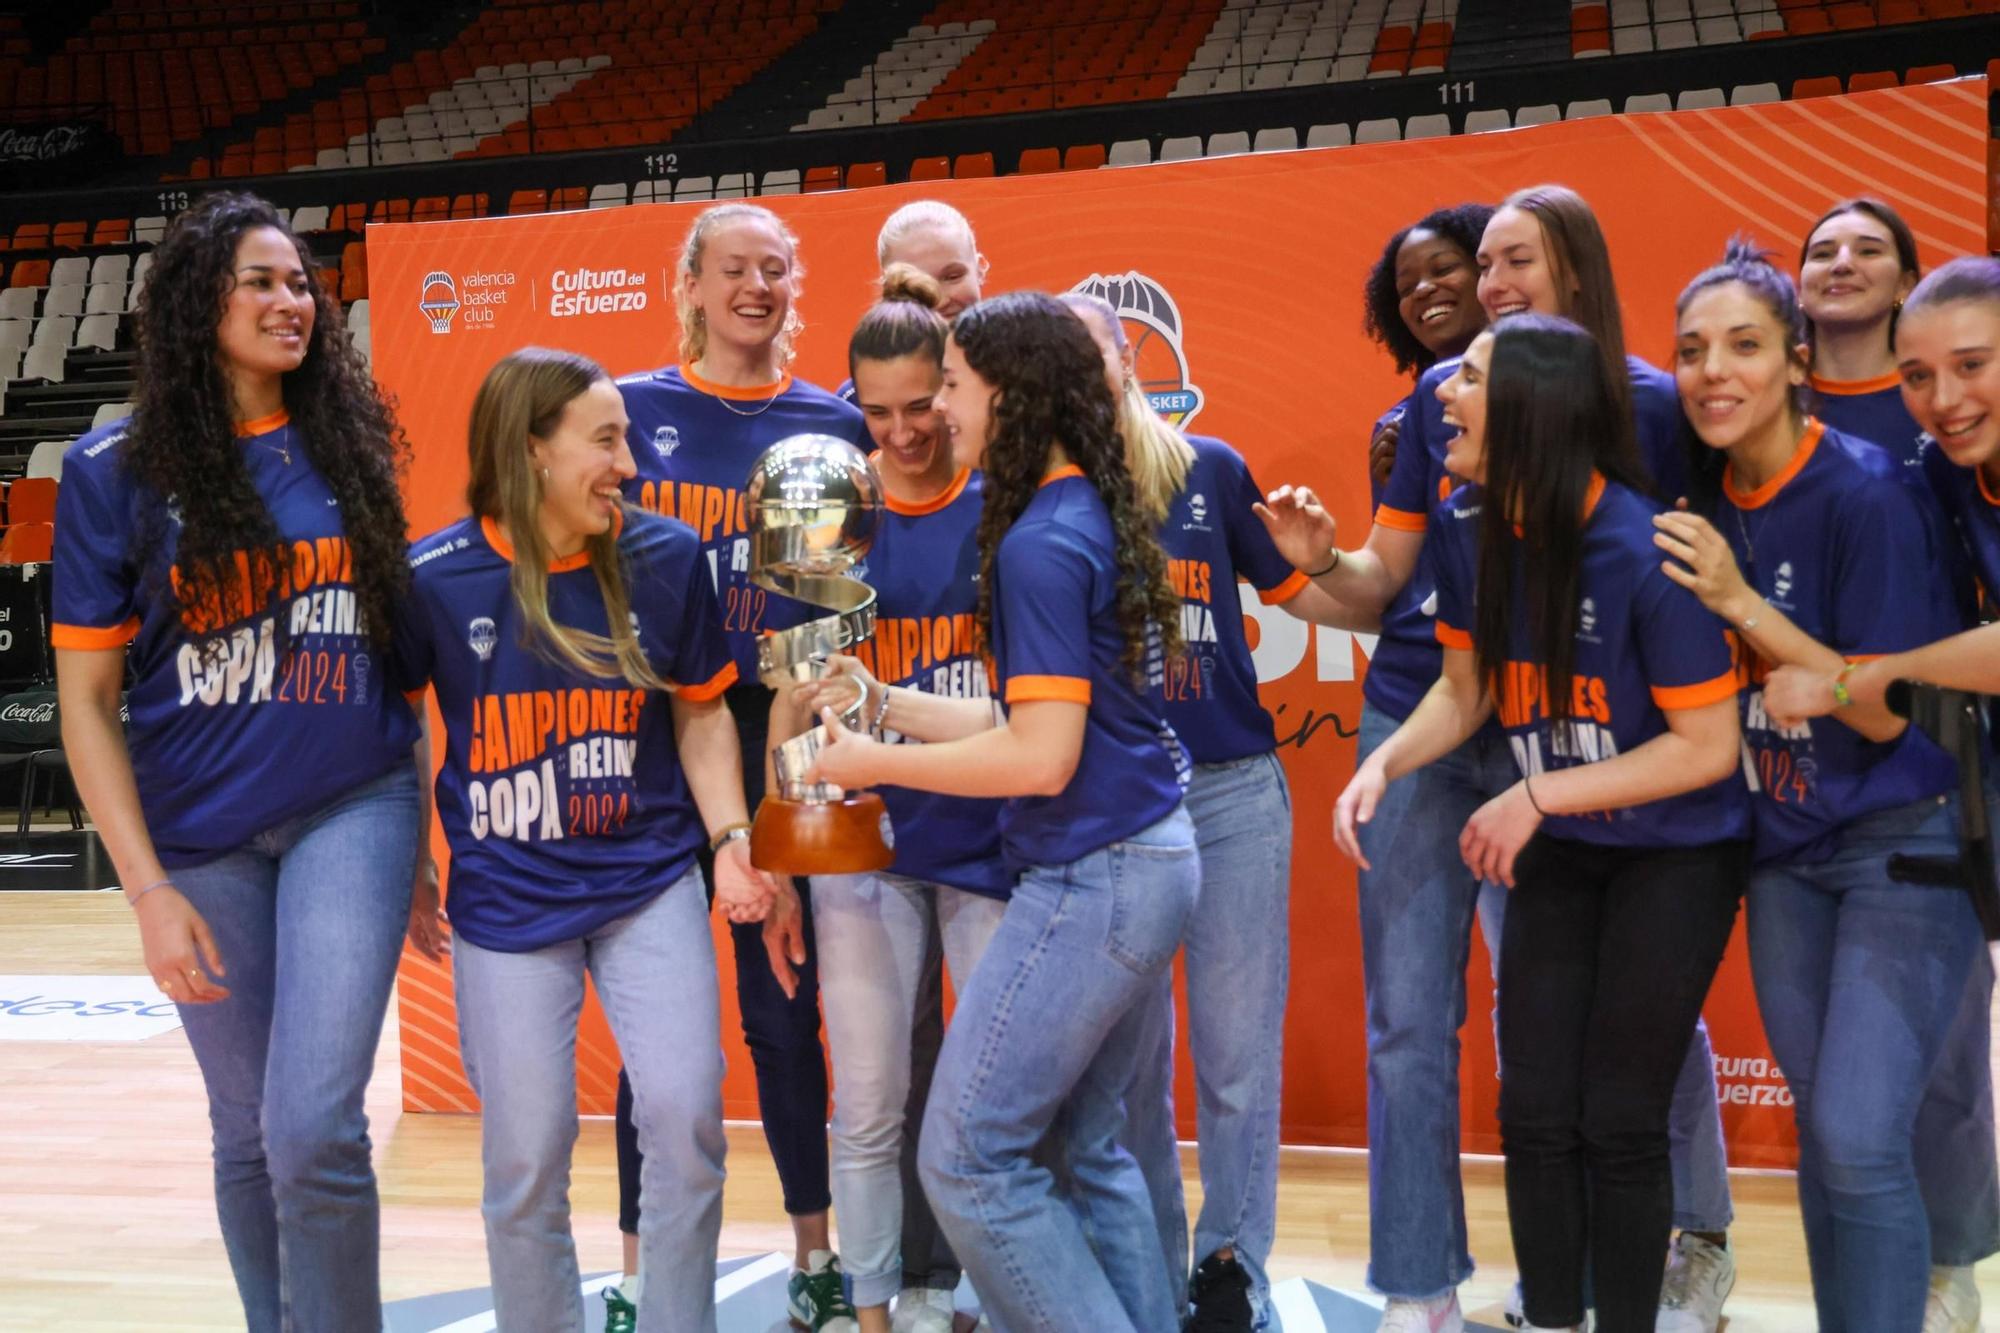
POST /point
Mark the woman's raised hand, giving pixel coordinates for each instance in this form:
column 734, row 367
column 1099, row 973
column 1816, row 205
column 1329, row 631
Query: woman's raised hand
column 1299, row 525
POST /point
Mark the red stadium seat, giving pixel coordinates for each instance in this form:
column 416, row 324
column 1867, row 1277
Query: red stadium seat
column 861, row 174
column 1083, row 157
column 70, row 235
column 970, row 165
column 1930, row 74
column 820, row 179
column 28, row 544
column 527, row 201
column 31, row 236
column 931, row 169
column 30, row 273
column 353, row 272
column 1862, row 83
column 1824, row 86
column 1038, row 161
column 32, row 500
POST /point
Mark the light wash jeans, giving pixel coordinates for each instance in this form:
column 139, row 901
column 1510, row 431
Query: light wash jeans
column 1237, row 961
column 517, row 1017
column 1417, row 907
column 309, row 917
column 874, row 944
column 1047, row 1034
column 1860, row 980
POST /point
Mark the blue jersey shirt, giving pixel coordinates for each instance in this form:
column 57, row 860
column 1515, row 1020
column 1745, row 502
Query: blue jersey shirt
column 1056, row 636
column 561, row 792
column 1644, row 647
column 1837, row 542
column 1406, row 661
column 924, row 567
column 694, row 448
column 1870, row 410
column 1212, row 538
column 1973, row 511
column 230, row 732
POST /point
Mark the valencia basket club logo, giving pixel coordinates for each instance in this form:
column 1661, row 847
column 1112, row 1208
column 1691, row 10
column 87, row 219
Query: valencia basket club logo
column 1153, row 328
column 439, row 301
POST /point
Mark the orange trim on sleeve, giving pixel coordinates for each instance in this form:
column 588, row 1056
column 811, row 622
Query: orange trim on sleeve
column 1768, row 492
column 1673, row 697
column 1287, row 590
column 278, row 420
column 1063, row 689
column 1401, row 520
column 1452, row 638
column 930, row 506
column 89, row 636
column 737, row 391
column 712, row 687
column 1847, row 388
column 1062, row 473
column 415, row 698
column 1985, row 491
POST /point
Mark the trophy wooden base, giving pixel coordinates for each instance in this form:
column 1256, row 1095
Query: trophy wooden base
column 842, row 837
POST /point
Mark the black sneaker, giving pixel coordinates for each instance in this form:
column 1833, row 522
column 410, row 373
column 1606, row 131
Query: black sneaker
column 1221, row 1294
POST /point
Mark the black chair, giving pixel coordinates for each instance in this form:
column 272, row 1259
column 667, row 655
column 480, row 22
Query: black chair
column 31, row 740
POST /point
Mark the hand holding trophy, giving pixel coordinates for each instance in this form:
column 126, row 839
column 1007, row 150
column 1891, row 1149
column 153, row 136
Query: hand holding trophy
column 813, row 501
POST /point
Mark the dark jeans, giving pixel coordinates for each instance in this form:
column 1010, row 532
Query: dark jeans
column 783, row 1035
column 1605, row 960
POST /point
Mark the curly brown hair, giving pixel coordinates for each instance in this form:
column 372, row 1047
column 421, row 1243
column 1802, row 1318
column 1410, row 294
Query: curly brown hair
column 181, row 444
column 1049, row 375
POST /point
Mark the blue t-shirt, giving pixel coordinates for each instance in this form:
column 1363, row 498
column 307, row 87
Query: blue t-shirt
column 1406, row 660
column 1870, row 410
column 1836, row 541
column 230, row 733
column 924, row 567
column 1644, row 646
column 1212, row 538
column 694, row 449
column 1056, row 636
column 1973, row 511
column 561, row 792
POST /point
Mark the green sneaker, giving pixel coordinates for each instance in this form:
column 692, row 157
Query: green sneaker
column 620, row 1315
column 816, row 1297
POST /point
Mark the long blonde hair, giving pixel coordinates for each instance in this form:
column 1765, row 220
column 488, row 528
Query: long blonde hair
column 1157, row 455
column 694, row 329
column 523, row 398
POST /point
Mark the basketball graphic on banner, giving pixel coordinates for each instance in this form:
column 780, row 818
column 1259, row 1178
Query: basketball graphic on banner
column 1153, row 328
column 439, row 301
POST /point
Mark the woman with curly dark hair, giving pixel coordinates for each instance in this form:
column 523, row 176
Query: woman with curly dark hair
column 1078, row 615
column 239, row 541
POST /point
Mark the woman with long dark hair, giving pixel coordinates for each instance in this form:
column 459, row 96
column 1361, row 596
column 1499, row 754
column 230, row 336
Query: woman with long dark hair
column 1238, row 950
column 1543, row 251
column 697, row 427
column 574, row 825
column 880, row 934
column 1077, row 611
column 1857, row 269
column 1622, row 839
column 238, row 543
column 1810, row 544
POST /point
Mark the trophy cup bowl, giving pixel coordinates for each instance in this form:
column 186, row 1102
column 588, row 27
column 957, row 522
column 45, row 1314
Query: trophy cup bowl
column 813, row 501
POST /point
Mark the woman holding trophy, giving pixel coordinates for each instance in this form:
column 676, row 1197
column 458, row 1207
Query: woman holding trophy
column 1076, row 609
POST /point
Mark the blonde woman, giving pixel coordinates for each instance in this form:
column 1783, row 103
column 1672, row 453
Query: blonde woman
column 696, row 428
column 579, row 665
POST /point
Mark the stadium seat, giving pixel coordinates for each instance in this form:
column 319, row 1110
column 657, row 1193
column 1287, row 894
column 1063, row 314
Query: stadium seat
column 819, row 179
column 1279, row 139
column 1751, row 94
column 930, row 169
column 736, row 185
column 99, row 331
column 780, row 182
column 45, row 361
column 1930, row 74
column 63, row 301
column 1038, row 161
column 1382, row 130
column 1863, row 83
column 1644, row 102
column 1228, row 144
column 1480, row 122
column 19, row 303
column 46, row 459
column 1587, row 108
column 1084, row 157
column 1546, row 113
column 694, row 187
column 1131, row 153
column 1825, row 86
column 1180, row 148
column 32, row 500
column 1694, row 99
column 527, row 201
column 1329, row 136
column 27, row 543
column 1437, row 125
column 968, row 166
column 862, row 174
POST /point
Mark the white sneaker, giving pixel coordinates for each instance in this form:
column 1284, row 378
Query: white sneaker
column 1953, row 1306
column 1440, row 1314
column 1699, row 1279
column 1514, row 1312
column 922, row 1310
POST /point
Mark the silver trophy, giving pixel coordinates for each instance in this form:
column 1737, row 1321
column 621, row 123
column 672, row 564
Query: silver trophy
column 813, row 501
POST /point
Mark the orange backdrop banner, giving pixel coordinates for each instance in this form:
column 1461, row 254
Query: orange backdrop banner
column 1244, row 275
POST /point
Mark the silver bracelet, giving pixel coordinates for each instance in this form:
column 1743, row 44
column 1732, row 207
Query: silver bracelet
column 132, row 899
column 881, row 711
column 1749, row 622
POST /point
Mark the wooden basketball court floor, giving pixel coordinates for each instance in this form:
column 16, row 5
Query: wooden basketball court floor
column 107, row 1220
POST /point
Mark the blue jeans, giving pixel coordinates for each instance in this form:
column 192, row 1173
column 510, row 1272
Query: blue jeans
column 1417, row 907
column 1860, row 980
column 1237, row 957
column 517, row 1017
column 1046, row 1035
column 309, row 917
column 874, row 946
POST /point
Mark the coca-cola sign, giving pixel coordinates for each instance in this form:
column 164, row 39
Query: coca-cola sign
column 43, row 712
column 44, row 151
column 45, row 145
